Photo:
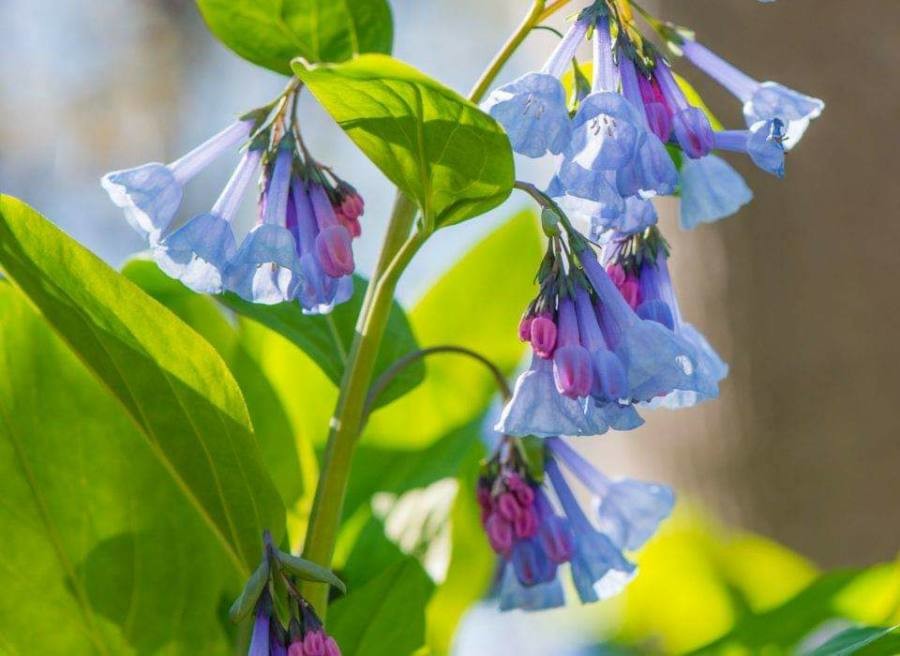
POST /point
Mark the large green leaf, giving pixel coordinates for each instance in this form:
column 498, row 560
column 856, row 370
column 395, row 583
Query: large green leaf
column 101, row 552
column 272, row 32
column 862, row 641
column 385, row 617
column 327, row 339
column 457, row 389
column 171, row 382
column 274, row 431
column 442, row 151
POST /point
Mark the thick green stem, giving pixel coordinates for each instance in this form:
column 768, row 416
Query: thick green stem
column 346, row 422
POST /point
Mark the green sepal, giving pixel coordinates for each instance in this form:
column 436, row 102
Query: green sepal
column 281, row 602
column 245, row 604
column 532, row 449
column 309, row 571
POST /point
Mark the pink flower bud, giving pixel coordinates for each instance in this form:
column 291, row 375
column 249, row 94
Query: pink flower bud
column 526, row 524
column 314, row 644
column 331, row 647
column 500, row 533
column 631, row 292
column 572, row 371
column 525, row 328
column 296, row 649
column 353, row 206
column 543, row 336
column 524, row 493
column 616, row 273
column 334, row 251
column 508, row 508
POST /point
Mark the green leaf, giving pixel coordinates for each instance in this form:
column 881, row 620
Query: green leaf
column 862, row 641
column 442, row 151
column 171, row 382
column 327, row 339
column 278, row 439
column 309, row 571
column 457, row 389
column 385, row 617
column 244, row 605
column 101, row 551
column 272, row 32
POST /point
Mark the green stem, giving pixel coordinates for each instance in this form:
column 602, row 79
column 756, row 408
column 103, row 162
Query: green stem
column 346, row 422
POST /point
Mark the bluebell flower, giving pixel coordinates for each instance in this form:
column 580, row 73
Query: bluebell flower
column 259, row 639
column 710, row 190
column 692, row 128
column 316, row 290
column 266, row 268
column 151, row 194
column 656, row 301
column 599, row 569
column 763, row 143
column 537, row 408
column 628, row 511
column 532, row 109
column 656, row 360
column 763, row 101
column 515, row 596
column 199, row 251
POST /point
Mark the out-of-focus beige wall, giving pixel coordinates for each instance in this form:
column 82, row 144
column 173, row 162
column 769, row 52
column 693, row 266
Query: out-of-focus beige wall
column 800, row 292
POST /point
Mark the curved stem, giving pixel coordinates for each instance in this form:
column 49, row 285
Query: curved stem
column 391, row 373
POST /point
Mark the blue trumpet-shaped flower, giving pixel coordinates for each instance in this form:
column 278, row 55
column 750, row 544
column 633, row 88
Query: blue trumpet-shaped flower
column 266, row 268
column 532, row 109
column 710, row 190
column 599, row 569
column 199, row 252
column 628, row 511
column 763, row 101
column 763, row 143
column 151, row 194
column 656, row 360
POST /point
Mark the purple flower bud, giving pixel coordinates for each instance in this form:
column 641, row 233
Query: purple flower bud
column 335, row 251
column 531, row 564
column 314, row 643
column 500, row 533
column 525, row 328
column 507, row 507
column 526, row 524
column 693, row 132
column 572, row 371
column 331, row 647
column 296, row 648
column 543, row 336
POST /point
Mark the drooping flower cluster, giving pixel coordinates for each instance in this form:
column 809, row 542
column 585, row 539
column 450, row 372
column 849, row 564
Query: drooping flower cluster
column 536, row 526
column 606, row 340
column 636, row 133
column 284, row 623
column 301, row 246
column 305, row 636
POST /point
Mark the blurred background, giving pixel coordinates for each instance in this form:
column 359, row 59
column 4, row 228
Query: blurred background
column 796, row 291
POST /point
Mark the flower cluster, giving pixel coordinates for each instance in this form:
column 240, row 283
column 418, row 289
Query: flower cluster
column 605, row 340
column 301, row 246
column 536, row 526
column 305, row 636
column 637, row 133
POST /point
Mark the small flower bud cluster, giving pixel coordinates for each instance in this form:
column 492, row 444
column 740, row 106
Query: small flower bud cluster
column 299, row 250
column 304, row 635
column 536, row 526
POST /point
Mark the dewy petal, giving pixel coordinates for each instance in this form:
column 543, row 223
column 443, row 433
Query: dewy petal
column 765, row 146
column 775, row 101
column 513, row 595
column 533, row 112
column 266, row 266
column 198, row 253
column 710, row 190
column 614, row 415
column 630, row 511
column 605, row 132
column 536, row 408
column 149, row 194
column 711, row 370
